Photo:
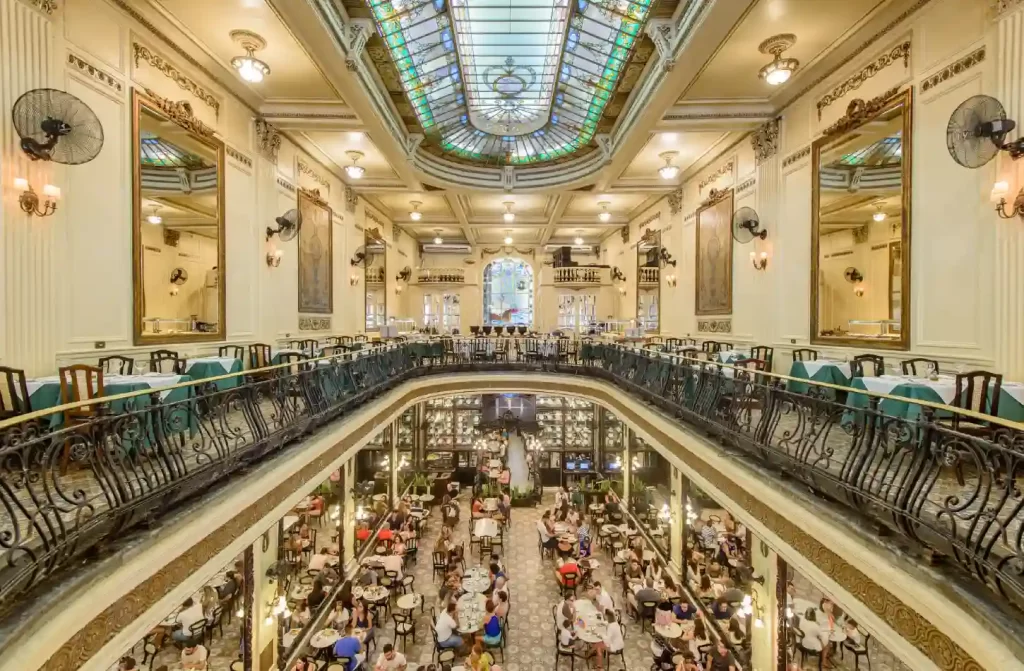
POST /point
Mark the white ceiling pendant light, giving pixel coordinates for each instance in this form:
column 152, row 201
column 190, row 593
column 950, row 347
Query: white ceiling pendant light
column 668, row 171
column 509, row 215
column 605, row 215
column 354, row 171
column 780, row 69
column 508, row 237
column 250, row 68
column 878, row 215
column 154, row 218
column 578, row 240
column 438, row 240
column 415, row 215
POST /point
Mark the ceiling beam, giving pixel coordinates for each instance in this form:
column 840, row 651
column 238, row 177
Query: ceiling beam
column 561, row 202
column 455, row 205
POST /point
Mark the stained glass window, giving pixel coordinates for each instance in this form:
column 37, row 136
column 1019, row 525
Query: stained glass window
column 887, row 151
column 159, row 153
column 508, row 293
column 510, row 81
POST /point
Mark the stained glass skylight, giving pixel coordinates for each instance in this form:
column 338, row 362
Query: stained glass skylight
column 885, row 152
column 160, row 153
column 510, row 81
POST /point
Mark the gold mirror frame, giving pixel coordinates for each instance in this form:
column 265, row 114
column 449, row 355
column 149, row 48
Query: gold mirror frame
column 181, row 114
column 859, row 113
column 648, row 236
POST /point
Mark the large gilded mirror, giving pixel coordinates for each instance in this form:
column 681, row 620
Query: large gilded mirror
column 178, row 224
column 375, row 279
column 860, row 234
column 648, row 281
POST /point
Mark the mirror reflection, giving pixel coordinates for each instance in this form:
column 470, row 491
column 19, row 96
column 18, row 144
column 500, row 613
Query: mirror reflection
column 179, row 229
column 861, row 230
column 375, row 267
column 648, row 292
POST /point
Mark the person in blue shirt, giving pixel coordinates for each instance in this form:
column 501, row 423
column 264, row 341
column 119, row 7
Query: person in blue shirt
column 492, row 626
column 720, row 609
column 349, row 646
column 682, row 611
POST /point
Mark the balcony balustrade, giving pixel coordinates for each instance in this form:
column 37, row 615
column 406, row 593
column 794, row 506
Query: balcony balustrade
column 441, row 276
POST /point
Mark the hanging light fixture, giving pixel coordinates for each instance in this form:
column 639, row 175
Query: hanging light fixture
column 578, row 240
column 437, row 236
column 780, row 69
column 509, row 215
column 415, row 215
column 508, row 237
column 605, row 215
column 154, row 218
column 668, row 171
column 354, row 171
column 878, row 215
column 250, row 68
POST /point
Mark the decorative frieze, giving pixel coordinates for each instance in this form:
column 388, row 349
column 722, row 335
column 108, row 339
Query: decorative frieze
column 690, row 217
column 180, row 112
column 268, row 140
column 314, row 323
column 47, row 7
column 745, row 185
column 675, row 201
column 238, row 156
column 351, row 199
column 714, row 326
column 796, row 156
column 304, row 169
column 765, row 140
column 954, row 69
column 144, row 53
column 858, row 111
column 716, row 175
column 285, row 184
column 899, row 52
column 88, row 69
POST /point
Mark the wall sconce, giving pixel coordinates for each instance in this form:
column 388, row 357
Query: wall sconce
column 622, row 291
column 274, row 258
column 670, row 280
column 353, row 280
column 759, row 262
column 29, row 199
column 398, row 290
column 999, row 192
column 750, row 608
column 858, row 291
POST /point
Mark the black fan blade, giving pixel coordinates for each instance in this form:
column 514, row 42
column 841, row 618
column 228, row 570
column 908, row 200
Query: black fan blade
column 65, row 127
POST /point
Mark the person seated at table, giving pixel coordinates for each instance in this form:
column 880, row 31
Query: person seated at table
column 566, row 633
column 567, row 567
column 698, row 636
column 351, row 647
column 736, row 635
column 390, row 660
column 654, row 570
column 304, row 528
column 602, row 599
column 490, row 626
column 447, row 627
column 546, row 529
column 644, row 594
column 302, row 613
column 305, row 663
column 443, row 543
column 340, row 614
column 670, row 589
column 362, row 532
column 688, row 663
column 476, row 506
column 611, row 502
column 194, row 657
column 191, row 612
column 317, row 596
column 385, row 534
column 495, row 559
column 505, row 478
column 345, row 595
column 209, row 601
column 561, row 498
column 708, row 534
column 633, row 572
column 495, row 573
column 319, row 560
column 398, row 547
column 294, row 543
column 572, row 518
column 450, row 588
column 663, row 613
column 612, row 641
column 815, row 637
column 479, row 659
column 561, row 514
column 228, row 587
column 393, row 561
column 500, row 604
column 364, row 620
column 583, row 534
column 721, row 609
column 853, row 633
column 682, row 612
column 706, row 591
column 720, row 659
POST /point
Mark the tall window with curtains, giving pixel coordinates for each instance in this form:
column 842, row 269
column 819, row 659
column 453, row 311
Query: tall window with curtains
column 508, row 293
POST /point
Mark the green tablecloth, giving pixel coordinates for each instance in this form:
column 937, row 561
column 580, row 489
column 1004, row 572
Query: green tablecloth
column 203, row 368
column 47, row 395
column 1009, row 407
column 830, row 373
column 425, row 350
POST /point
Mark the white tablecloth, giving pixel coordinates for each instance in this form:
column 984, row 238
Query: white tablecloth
column 945, row 387
column 812, row 367
column 225, row 362
column 485, row 527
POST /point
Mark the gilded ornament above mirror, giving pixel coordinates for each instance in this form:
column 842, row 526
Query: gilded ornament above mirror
column 860, row 229
column 178, row 223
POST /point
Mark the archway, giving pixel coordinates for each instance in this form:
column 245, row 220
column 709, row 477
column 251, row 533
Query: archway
column 508, row 293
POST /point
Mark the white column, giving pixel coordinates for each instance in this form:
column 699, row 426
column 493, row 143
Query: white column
column 348, row 520
column 627, row 467
column 769, row 186
column 264, row 634
column 1009, row 262
column 31, row 247
column 763, row 638
column 676, row 525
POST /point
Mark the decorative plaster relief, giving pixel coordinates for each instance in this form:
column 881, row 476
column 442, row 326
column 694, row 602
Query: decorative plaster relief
column 268, row 140
column 900, row 51
column 314, row 323
column 86, row 68
column 765, row 140
column 714, row 326
column 306, row 170
column 954, row 69
column 716, row 175
column 796, row 156
column 144, row 53
column 238, row 156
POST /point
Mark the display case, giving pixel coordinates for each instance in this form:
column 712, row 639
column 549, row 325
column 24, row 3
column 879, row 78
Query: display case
column 451, row 428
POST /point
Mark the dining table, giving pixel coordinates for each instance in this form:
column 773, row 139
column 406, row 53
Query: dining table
column 590, row 624
column 476, row 580
column 471, row 608
column 485, row 526
column 324, row 638
column 204, row 367
column 936, row 389
column 820, row 370
column 669, row 631
column 371, row 594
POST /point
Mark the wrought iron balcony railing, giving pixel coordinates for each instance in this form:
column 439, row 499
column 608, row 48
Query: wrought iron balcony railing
column 70, row 483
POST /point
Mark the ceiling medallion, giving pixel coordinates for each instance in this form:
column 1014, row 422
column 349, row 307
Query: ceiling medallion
column 250, row 68
column 780, row 69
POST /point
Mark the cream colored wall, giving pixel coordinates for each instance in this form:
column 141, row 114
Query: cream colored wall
column 66, row 280
column 967, row 265
column 196, row 254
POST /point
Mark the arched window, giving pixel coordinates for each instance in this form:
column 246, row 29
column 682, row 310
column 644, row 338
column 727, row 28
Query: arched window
column 508, row 293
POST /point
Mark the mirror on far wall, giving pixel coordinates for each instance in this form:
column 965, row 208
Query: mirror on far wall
column 648, row 281
column 860, row 234
column 178, row 224
column 375, row 276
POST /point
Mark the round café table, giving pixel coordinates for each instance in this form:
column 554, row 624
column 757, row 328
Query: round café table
column 324, row 638
column 409, row 601
column 471, row 609
column 669, row 631
column 476, row 580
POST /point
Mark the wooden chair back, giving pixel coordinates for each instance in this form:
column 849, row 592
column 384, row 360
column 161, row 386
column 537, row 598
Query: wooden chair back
column 80, row 382
column 116, row 365
column 231, row 351
column 805, row 354
column 863, row 364
column 259, row 355
column 332, row 350
column 296, row 362
column 764, row 353
column 978, row 391
column 360, row 338
column 166, row 361
column 14, row 398
column 919, row 367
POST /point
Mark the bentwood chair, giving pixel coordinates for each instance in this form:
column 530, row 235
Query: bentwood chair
column 858, row 651
column 621, row 652
column 166, row 361
column 862, row 363
column 919, row 367
column 78, row 383
column 116, row 365
column 805, row 354
column 14, row 399
column 405, row 626
column 231, row 352
column 259, row 355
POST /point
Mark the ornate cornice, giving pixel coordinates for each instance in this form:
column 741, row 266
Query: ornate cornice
column 1000, row 7
column 858, row 111
column 144, row 53
column 675, row 201
column 306, row 170
column 285, row 184
column 900, row 51
column 351, row 199
column 714, row 177
column 86, row 68
column 955, row 68
column 796, row 156
column 180, row 112
column 313, row 195
column 268, row 140
column 649, row 220
column 690, row 217
column 765, row 140
column 746, row 185
column 238, row 156
column 47, row 7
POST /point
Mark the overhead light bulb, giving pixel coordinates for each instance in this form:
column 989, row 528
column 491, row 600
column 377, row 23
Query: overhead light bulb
column 250, row 68
column 879, row 215
column 415, row 215
column 437, row 236
column 155, row 218
column 780, row 69
column 354, row 171
column 509, row 215
column 508, row 237
column 578, row 240
column 269, row 620
column 668, row 171
column 605, row 215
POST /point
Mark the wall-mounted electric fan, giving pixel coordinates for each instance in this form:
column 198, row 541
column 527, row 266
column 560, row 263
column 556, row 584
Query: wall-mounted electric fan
column 746, row 226
column 56, row 126
column 288, row 225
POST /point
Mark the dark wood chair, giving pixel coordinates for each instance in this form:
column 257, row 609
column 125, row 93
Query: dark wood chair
column 359, row 338
column 332, row 350
column 259, row 355
column 764, row 353
column 720, row 347
column 805, row 354
column 78, row 383
column 231, row 352
column 861, row 364
column 116, row 365
column 919, row 367
column 977, row 391
column 166, row 361
column 14, row 398
column 708, row 346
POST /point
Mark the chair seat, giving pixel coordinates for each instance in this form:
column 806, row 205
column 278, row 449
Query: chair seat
column 403, row 628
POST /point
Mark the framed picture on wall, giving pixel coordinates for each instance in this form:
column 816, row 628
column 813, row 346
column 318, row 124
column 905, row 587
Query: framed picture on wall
column 316, row 257
column 713, row 283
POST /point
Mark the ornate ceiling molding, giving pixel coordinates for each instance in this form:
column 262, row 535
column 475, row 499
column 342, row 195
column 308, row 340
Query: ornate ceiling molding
column 796, row 156
column 285, row 184
column 238, row 156
column 143, row 53
column 765, row 140
column 898, row 52
column 747, row 184
column 954, row 69
column 47, row 7
column 716, row 175
column 180, row 112
column 1001, row 7
column 304, row 169
column 268, row 140
column 88, row 69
